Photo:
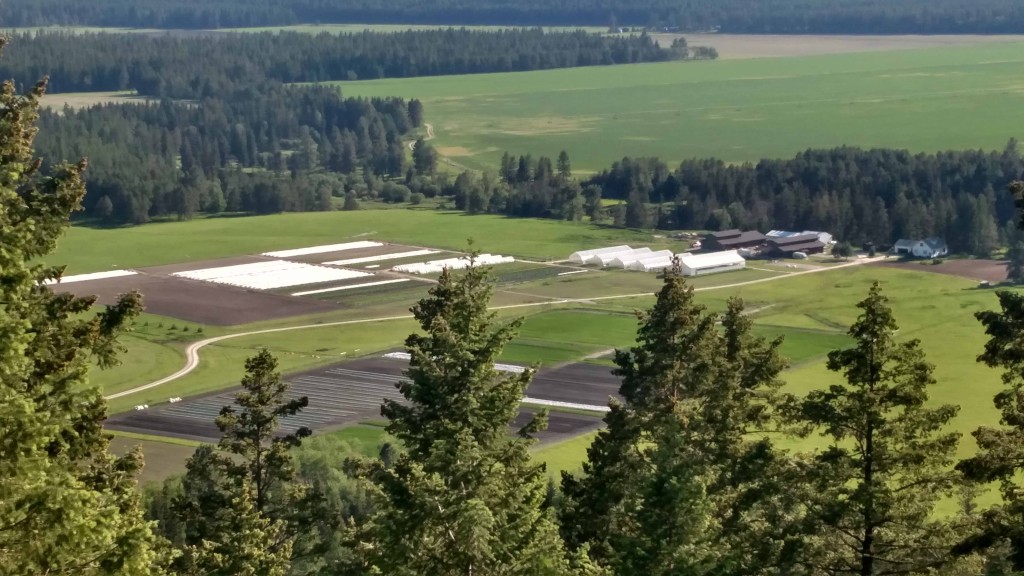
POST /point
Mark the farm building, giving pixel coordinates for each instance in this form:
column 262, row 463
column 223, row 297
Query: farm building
column 731, row 240
column 805, row 243
column 581, row 256
column 613, row 258
column 711, row 263
column 823, row 237
column 626, row 261
column 933, row 247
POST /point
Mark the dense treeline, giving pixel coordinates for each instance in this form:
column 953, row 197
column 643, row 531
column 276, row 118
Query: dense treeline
column 858, row 195
column 204, row 66
column 737, row 16
column 285, row 149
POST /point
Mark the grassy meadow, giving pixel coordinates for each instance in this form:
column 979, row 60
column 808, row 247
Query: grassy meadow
column 85, row 249
column 737, row 110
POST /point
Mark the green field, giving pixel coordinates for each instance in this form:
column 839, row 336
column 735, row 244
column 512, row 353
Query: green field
column 739, row 110
column 93, row 249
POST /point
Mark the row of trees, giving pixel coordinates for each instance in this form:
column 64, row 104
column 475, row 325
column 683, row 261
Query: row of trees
column 685, row 478
column 193, row 67
column 277, row 149
column 860, row 195
column 738, row 16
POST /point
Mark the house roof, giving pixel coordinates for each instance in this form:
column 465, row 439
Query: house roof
column 742, row 238
column 801, row 246
column 725, row 234
column 800, row 239
column 935, row 243
column 904, row 243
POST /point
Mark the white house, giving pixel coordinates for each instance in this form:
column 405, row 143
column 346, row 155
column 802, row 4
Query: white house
column 581, row 256
column 933, row 247
column 624, row 261
column 711, row 263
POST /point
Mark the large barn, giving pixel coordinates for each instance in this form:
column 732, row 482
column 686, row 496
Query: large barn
column 732, row 240
column 788, row 245
column 711, row 263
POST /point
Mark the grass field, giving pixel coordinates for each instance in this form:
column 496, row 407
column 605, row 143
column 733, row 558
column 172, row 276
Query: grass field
column 87, row 99
column 93, row 249
column 739, row 110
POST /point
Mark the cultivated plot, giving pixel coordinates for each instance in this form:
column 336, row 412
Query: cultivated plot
column 353, row 391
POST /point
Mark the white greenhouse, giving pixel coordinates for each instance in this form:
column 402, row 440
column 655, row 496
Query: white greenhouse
column 652, row 265
column 610, row 259
column 628, row 262
column 712, row 263
column 581, row 256
column 435, row 266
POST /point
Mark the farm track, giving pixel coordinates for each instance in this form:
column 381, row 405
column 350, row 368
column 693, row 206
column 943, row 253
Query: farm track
column 192, row 358
column 428, row 138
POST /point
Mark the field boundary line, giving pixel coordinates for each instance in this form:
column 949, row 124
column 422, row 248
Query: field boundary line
column 192, row 358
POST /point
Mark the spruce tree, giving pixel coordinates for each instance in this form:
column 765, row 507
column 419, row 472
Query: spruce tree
column 872, row 493
column 678, row 482
column 66, row 505
column 465, row 497
column 1000, row 455
column 252, row 464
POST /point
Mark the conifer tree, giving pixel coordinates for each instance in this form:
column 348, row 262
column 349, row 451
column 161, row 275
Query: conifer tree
column 673, row 485
column 252, row 465
column 243, row 549
column 872, row 493
column 465, row 497
column 1000, row 455
column 66, row 505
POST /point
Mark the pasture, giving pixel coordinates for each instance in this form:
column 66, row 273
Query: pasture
column 736, row 110
column 85, row 249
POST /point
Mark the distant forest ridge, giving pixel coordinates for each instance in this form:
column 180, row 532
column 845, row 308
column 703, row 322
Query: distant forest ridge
column 734, row 16
column 208, row 66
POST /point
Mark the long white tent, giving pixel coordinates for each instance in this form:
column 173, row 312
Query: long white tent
column 712, row 263
column 581, row 256
column 607, row 259
column 656, row 261
column 435, row 266
column 626, row 260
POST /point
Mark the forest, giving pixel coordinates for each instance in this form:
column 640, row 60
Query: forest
column 205, row 66
column 735, row 16
column 860, row 196
column 249, row 151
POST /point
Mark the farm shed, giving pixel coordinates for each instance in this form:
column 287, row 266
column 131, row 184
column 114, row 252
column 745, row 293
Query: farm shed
column 581, row 256
column 933, row 247
column 732, row 239
column 626, row 262
column 619, row 257
column 786, row 246
column 712, row 263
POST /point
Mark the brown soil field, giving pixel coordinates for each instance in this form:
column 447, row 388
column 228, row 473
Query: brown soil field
column 202, row 302
column 351, row 392
column 981, row 270
column 169, row 269
column 745, row 46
